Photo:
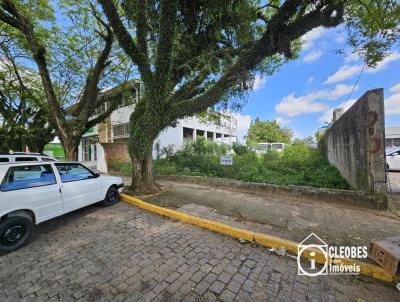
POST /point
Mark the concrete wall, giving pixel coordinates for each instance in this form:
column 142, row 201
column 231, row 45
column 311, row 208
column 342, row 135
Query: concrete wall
column 355, row 143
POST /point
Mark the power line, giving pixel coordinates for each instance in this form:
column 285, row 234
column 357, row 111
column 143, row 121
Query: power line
column 354, row 87
column 394, row 85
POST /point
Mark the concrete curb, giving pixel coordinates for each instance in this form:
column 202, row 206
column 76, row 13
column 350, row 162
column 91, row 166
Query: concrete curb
column 258, row 238
column 364, row 199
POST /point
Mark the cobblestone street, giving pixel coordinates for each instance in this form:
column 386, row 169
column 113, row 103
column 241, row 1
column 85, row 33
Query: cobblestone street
column 123, row 253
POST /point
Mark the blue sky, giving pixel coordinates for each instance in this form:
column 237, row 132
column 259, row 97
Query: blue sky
column 303, row 93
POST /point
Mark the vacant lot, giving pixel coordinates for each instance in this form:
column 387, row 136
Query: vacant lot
column 123, row 253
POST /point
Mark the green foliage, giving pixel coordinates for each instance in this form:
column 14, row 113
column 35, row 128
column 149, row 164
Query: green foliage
column 239, row 149
column 24, row 113
column 268, row 132
column 372, row 28
column 298, row 164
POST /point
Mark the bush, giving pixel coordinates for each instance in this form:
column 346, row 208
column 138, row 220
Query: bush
column 298, row 164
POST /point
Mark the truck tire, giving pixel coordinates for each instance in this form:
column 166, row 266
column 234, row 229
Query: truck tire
column 15, row 231
column 112, row 197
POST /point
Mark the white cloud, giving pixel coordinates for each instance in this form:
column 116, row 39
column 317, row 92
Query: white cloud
column 344, row 72
column 294, row 106
column 328, row 114
column 352, row 57
column 243, row 124
column 310, row 80
column 312, row 56
column 258, row 82
column 395, row 88
column 392, row 104
column 348, row 71
column 312, row 36
column 340, row 38
column 282, row 121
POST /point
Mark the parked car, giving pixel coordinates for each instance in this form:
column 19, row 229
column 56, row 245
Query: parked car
column 15, row 157
column 393, row 159
column 31, row 193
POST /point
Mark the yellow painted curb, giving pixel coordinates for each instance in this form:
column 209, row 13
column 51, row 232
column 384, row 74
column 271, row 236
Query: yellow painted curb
column 261, row 239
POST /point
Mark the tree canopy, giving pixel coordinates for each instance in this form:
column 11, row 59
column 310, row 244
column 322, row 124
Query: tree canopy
column 268, row 132
column 24, row 114
column 71, row 49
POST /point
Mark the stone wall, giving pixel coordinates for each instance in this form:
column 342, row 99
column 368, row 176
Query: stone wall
column 355, row 143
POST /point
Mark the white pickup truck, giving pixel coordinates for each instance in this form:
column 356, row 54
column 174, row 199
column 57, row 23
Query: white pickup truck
column 31, row 193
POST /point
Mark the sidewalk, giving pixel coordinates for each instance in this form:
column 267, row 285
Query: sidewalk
column 283, row 216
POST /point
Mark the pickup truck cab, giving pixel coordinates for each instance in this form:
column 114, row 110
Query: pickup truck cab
column 33, row 192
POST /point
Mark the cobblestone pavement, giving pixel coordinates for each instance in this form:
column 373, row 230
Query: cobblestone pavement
column 122, row 253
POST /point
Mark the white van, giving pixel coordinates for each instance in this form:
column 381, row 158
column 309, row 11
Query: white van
column 15, row 157
column 31, row 193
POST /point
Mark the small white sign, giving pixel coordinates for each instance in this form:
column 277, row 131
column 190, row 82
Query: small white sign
column 226, row 160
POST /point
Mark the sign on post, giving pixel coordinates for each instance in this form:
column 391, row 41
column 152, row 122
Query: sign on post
column 226, row 160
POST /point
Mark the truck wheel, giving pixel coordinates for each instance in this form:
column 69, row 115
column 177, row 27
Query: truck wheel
column 112, row 197
column 14, row 233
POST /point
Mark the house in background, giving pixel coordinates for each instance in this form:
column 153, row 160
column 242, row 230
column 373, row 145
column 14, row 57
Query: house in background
column 107, row 143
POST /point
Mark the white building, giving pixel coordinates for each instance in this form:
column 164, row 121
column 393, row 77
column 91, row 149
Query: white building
column 106, row 144
column 392, row 137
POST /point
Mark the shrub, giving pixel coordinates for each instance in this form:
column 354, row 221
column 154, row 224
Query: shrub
column 298, row 164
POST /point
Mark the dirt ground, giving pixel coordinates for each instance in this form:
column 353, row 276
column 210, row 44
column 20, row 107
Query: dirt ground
column 289, row 217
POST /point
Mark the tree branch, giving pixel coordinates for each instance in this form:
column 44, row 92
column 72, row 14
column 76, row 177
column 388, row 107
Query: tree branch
column 276, row 39
column 125, row 40
column 23, row 24
column 86, row 105
column 165, row 42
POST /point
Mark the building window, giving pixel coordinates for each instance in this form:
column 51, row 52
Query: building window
column 121, row 130
column 218, row 135
column 89, row 146
column 393, row 142
column 128, row 100
column 100, row 109
column 199, row 132
column 187, row 133
column 210, row 136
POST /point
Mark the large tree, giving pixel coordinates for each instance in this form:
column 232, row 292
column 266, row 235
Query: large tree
column 191, row 54
column 73, row 50
column 268, row 132
column 23, row 113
